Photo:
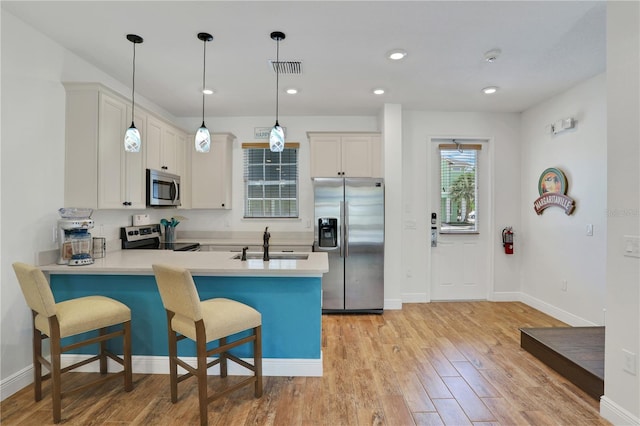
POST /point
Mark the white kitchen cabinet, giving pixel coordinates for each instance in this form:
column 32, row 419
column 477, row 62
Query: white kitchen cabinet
column 211, row 174
column 164, row 146
column 98, row 172
column 345, row 154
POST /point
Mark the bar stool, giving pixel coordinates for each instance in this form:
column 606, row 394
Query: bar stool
column 59, row 320
column 203, row 322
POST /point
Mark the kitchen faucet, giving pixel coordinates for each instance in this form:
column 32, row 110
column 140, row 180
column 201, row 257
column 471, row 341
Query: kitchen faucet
column 265, row 244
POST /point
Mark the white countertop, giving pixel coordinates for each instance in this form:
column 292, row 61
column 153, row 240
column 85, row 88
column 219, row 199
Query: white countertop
column 202, row 263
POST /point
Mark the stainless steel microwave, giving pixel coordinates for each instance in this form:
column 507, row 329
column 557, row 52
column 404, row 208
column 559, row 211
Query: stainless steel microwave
column 163, row 189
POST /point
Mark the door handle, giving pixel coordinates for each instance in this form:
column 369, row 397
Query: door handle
column 177, row 192
column 346, row 229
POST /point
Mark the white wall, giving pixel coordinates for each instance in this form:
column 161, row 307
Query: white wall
column 621, row 403
column 503, row 131
column 554, row 245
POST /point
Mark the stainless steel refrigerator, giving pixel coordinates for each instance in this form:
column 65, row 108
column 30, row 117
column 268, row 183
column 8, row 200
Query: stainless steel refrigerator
column 349, row 227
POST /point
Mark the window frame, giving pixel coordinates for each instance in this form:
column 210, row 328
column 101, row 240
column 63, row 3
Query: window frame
column 247, row 183
column 445, row 227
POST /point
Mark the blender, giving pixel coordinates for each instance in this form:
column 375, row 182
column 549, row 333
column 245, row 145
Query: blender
column 74, row 238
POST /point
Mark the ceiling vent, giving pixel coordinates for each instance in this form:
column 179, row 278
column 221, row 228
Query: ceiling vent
column 286, row 67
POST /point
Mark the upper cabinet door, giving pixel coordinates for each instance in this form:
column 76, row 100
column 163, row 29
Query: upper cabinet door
column 356, row 156
column 345, row 154
column 164, row 147
column 325, row 154
column 211, row 174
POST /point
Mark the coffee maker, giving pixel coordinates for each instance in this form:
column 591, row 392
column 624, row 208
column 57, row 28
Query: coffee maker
column 74, row 238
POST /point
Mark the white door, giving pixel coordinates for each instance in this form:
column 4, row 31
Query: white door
column 461, row 257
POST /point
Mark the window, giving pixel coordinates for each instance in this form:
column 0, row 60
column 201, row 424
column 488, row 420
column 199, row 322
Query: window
column 271, row 181
column 458, row 188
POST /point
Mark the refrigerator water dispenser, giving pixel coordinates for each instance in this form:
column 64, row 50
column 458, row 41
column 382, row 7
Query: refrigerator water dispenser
column 328, row 232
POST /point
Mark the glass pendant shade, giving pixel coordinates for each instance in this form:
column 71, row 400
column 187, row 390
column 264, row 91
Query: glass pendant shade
column 203, row 139
column 276, row 138
column 132, row 139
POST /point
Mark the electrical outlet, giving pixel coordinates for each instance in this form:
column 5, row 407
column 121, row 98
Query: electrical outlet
column 631, row 245
column 563, row 286
column 630, row 362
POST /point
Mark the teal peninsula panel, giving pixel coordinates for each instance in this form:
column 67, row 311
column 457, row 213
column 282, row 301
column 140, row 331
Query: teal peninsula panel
column 290, row 307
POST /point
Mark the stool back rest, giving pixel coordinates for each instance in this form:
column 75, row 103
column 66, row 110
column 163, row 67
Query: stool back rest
column 178, row 291
column 36, row 289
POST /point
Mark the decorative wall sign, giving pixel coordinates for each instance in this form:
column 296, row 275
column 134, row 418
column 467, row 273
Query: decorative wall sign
column 263, row 132
column 552, row 187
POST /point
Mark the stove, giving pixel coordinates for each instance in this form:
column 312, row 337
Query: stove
column 148, row 237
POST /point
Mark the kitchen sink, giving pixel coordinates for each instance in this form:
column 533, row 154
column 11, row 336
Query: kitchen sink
column 274, row 256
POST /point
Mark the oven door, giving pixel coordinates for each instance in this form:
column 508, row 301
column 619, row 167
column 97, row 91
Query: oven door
column 163, row 189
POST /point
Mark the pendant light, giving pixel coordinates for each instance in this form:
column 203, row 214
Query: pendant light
column 203, row 137
column 132, row 139
column 276, row 136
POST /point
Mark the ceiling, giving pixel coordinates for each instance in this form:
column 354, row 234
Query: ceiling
column 547, row 47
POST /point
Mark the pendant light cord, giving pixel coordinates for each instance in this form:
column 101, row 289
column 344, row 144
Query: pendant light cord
column 277, row 77
column 204, row 69
column 133, row 86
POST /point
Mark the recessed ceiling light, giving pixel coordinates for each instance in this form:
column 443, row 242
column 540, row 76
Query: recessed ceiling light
column 292, row 90
column 490, row 90
column 378, row 91
column 396, row 54
column 207, row 91
column 492, row 55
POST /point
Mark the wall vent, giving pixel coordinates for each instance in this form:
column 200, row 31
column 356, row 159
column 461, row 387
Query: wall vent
column 286, row 67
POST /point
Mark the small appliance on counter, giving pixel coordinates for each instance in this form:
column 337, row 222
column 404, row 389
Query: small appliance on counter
column 74, row 239
column 148, row 237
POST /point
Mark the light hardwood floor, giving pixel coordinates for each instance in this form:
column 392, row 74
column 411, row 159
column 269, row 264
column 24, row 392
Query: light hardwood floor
column 428, row 364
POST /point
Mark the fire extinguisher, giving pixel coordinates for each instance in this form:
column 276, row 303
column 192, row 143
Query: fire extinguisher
column 507, row 240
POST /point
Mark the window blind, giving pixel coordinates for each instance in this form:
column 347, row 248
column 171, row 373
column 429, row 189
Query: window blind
column 271, row 180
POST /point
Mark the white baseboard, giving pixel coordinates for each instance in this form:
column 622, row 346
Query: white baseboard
column 557, row 313
column 616, row 414
column 505, row 296
column 393, row 304
column 160, row 365
column 15, row 382
column 415, row 298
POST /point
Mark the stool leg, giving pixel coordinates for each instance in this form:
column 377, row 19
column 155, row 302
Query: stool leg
column 257, row 360
column 37, row 365
column 173, row 354
column 223, row 358
column 126, row 355
column 56, row 374
column 103, row 349
column 201, row 350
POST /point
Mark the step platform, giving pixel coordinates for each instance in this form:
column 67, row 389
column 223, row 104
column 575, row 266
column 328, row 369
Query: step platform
column 576, row 353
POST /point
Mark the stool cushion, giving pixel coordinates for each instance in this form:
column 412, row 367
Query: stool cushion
column 222, row 317
column 85, row 314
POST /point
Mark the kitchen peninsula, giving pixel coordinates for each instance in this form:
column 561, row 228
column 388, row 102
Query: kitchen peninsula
column 287, row 292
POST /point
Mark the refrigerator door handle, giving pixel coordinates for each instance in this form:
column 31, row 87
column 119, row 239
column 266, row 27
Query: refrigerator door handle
column 341, row 235
column 346, row 228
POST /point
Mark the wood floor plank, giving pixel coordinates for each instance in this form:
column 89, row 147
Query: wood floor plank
column 481, row 386
column 472, row 405
column 451, row 412
column 427, row 364
column 427, row 419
